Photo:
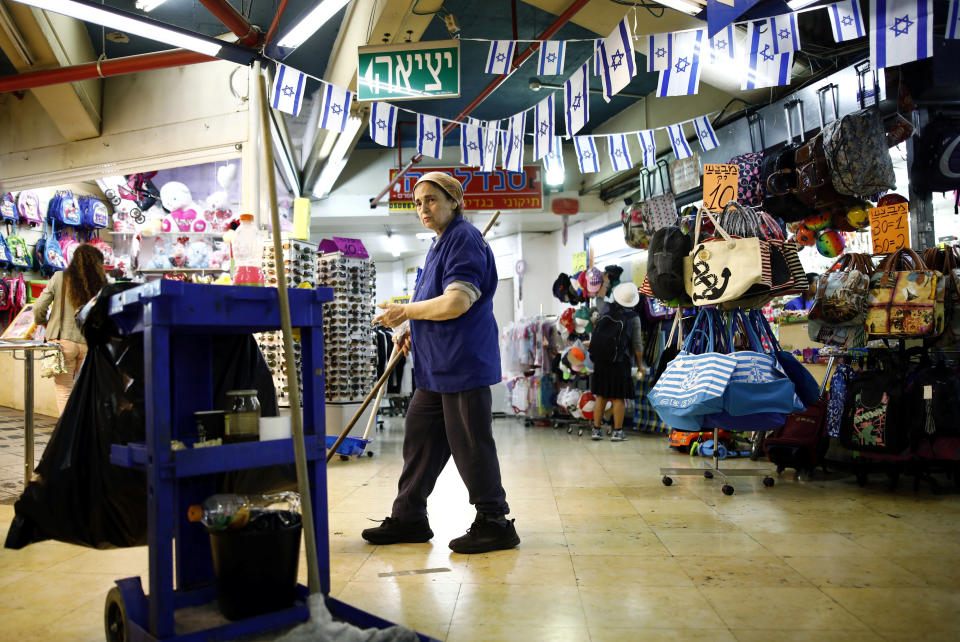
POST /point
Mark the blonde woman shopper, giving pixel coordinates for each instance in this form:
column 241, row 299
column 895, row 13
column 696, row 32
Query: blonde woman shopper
column 68, row 291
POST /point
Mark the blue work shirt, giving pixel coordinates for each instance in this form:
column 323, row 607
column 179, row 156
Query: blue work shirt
column 463, row 353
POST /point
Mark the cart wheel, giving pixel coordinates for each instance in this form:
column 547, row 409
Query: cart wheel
column 569, row 430
column 137, row 215
column 708, row 474
column 369, row 453
column 115, row 617
column 579, row 432
column 768, row 482
column 667, row 481
column 727, row 489
column 344, row 458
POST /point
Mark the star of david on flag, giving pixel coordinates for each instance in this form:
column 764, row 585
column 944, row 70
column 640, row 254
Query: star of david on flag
column 785, row 29
column 617, row 64
column 500, row 57
column 471, row 145
column 764, row 67
column 659, row 51
column 543, row 129
column 429, row 136
column 513, row 143
column 953, row 21
column 335, row 108
column 705, row 133
column 723, row 48
column 383, row 124
column 846, row 21
column 586, row 154
column 576, row 100
column 288, row 87
column 619, row 152
column 682, row 77
column 649, row 147
column 681, row 148
column 901, row 31
column 553, row 162
column 490, row 135
column 551, row 58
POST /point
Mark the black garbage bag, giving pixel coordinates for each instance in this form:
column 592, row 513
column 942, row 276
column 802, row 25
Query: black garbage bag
column 80, row 497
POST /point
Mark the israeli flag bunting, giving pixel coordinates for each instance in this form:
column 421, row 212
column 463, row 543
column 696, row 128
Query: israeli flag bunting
column 513, row 143
column 500, row 57
column 953, row 21
column 617, row 64
column 764, row 67
column 659, row 48
column 597, row 64
column 429, row 136
column 705, row 133
column 682, row 78
column 619, row 152
column 383, row 124
column 587, row 157
column 336, row 107
column 681, row 148
column 553, row 162
column 576, row 100
column 288, row 89
column 471, row 145
column 785, row 28
column 901, row 31
column 649, row 147
column 551, row 58
column 490, row 132
column 723, row 48
column 543, row 128
column 846, row 21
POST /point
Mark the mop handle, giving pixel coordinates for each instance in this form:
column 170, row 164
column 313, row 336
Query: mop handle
column 376, row 405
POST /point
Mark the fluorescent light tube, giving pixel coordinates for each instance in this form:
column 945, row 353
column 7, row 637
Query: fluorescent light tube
column 684, row 6
column 555, row 176
column 149, row 5
column 309, row 24
column 799, row 4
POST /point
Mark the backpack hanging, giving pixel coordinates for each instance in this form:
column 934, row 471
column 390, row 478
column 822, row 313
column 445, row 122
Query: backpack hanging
column 28, row 207
column 63, row 209
column 611, row 336
column 750, row 165
column 873, row 415
column 48, row 253
column 8, row 208
column 19, row 254
column 94, row 213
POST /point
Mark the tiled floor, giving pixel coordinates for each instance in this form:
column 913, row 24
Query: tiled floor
column 608, row 553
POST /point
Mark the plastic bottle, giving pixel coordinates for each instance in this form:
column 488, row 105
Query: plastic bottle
column 229, row 511
column 247, row 249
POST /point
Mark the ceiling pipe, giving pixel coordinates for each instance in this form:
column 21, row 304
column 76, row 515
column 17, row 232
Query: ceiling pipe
column 554, row 27
column 114, row 67
column 276, row 23
column 248, row 35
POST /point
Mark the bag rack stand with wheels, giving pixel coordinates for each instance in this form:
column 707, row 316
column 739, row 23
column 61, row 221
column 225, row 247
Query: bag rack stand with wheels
column 715, row 471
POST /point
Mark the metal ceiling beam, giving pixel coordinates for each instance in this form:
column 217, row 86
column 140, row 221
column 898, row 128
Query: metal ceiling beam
column 249, row 36
column 555, row 26
column 276, row 22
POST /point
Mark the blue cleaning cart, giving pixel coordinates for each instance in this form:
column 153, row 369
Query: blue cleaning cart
column 177, row 321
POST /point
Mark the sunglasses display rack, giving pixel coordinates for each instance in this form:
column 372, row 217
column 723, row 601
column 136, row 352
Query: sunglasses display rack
column 349, row 339
column 299, row 264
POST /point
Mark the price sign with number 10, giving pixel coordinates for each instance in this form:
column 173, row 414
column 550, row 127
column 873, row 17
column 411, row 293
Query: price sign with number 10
column 719, row 185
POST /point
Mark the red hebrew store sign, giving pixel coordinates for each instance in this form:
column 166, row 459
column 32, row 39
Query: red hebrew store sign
column 496, row 190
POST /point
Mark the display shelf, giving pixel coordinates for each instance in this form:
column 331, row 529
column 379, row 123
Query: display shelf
column 182, row 270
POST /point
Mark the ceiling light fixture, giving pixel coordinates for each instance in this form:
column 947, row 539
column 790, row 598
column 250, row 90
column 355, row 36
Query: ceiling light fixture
column 684, row 6
column 536, row 85
column 338, row 158
column 425, row 236
column 555, row 175
column 394, row 244
column 149, row 5
column 308, row 23
column 796, row 5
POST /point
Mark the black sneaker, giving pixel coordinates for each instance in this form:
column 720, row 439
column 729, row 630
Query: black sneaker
column 487, row 533
column 394, row 531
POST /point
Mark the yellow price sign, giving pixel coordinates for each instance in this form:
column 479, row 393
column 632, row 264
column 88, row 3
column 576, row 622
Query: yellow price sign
column 579, row 261
column 889, row 227
column 719, row 185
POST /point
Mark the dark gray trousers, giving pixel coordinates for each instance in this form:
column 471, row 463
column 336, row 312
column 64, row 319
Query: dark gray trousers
column 439, row 425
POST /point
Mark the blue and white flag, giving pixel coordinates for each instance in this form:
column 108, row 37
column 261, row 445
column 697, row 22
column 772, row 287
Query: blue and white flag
column 513, row 143
column 787, row 36
column 553, row 162
column 543, row 129
column 597, row 57
column 619, row 152
column 846, row 21
column 764, row 67
column 705, row 133
column 576, row 100
column 649, row 147
column 723, row 47
column 490, row 135
column 682, row 77
column 500, row 57
column 659, row 48
column 587, row 157
column 952, row 31
column 471, row 145
column 617, row 64
column 429, row 136
column 678, row 140
column 288, row 89
column 901, row 31
column 551, row 58
column 335, row 109
column 383, row 124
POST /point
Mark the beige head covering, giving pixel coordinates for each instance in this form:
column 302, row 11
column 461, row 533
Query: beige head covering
column 447, row 183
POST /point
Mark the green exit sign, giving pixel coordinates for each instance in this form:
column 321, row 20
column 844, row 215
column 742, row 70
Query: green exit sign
column 410, row 71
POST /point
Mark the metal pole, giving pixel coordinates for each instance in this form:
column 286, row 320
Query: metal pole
column 28, row 416
column 296, row 416
column 248, row 34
